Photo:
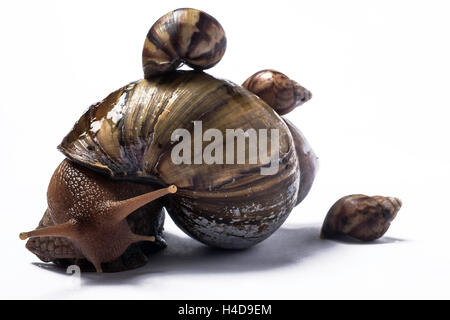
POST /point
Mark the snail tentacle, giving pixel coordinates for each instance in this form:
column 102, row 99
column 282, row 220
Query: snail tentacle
column 93, row 215
column 121, row 209
column 66, row 230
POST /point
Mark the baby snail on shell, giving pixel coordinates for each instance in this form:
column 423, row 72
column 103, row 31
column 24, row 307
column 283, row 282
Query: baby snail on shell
column 106, row 200
column 361, row 217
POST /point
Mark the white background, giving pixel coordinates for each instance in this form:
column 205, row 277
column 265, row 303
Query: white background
column 379, row 122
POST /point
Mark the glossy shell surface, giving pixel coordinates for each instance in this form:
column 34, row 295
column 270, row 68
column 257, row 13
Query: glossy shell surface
column 183, row 36
column 361, row 217
column 128, row 135
column 275, row 88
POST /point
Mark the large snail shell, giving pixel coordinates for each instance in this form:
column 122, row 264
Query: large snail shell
column 128, row 135
column 186, row 36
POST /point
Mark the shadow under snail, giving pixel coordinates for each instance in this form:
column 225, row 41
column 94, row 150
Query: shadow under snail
column 106, row 200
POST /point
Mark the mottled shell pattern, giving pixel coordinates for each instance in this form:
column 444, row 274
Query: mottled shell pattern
column 187, row 36
column 278, row 90
column 362, row 217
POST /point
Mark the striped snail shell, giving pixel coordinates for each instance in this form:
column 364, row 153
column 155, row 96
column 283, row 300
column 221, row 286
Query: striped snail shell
column 361, row 217
column 128, row 135
column 279, row 91
column 187, row 36
column 108, row 194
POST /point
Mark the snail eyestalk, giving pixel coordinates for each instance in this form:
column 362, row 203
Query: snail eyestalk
column 139, row 237
column 62, row 230
column 121, row 209
column 99, row 228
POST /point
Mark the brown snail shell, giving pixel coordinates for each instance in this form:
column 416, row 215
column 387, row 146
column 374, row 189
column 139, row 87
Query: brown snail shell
column 275, row 88
column 187, row 36
column 128, row 135
column 307, row 159
column 361, row 217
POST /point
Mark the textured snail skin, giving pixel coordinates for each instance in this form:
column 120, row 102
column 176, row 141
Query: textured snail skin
column 275, row 88
column 78, row 193
column 128, row 136
column 187, row 36
column 361, row 217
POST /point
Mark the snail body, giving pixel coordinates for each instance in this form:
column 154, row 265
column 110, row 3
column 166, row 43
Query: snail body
column 104, row 198
column 91, row 211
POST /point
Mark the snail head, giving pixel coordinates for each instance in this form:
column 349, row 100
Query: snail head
column 90, row 210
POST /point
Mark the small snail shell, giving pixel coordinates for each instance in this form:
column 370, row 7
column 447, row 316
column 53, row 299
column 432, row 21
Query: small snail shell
column 361, row 217
column 275, row 88
column 186, row 36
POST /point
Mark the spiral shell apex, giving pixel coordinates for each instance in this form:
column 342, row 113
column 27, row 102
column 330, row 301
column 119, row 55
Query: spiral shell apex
column 183, row 36
column 277, row 90
column 361, row 217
